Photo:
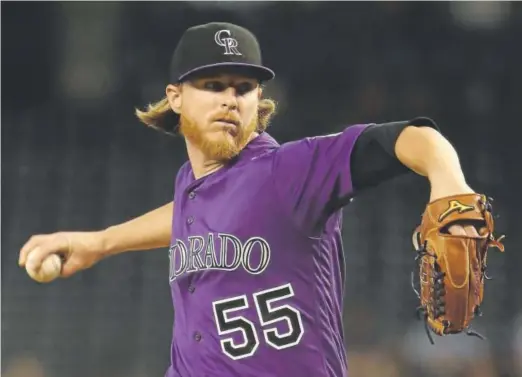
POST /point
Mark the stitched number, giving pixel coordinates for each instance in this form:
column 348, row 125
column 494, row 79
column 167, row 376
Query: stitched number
column 269, row 313
column 227, row 324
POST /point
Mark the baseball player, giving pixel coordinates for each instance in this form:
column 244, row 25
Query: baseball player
column 254, row 229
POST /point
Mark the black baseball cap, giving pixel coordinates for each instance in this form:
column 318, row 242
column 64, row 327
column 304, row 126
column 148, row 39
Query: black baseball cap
column 218, row 46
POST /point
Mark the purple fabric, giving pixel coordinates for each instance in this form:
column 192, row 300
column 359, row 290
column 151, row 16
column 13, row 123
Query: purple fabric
column 257, row 246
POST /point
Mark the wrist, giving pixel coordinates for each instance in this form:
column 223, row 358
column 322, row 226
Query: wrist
column 445, row 184
column 104, row 244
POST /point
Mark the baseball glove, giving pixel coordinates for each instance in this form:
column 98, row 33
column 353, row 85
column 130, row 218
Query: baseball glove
column 452, row 268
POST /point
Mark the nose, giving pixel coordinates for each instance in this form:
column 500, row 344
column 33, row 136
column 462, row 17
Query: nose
column 229, row 98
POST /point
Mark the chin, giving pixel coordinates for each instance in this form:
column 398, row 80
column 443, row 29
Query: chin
column 222, row 147
column 224, row 138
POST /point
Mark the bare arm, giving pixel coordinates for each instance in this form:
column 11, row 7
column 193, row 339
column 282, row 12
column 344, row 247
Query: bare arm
column 426, row 152
column 82, row 250
column 149, row 231
column 390, row 149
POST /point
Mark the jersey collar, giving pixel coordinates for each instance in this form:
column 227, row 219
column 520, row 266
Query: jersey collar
column 258, row 146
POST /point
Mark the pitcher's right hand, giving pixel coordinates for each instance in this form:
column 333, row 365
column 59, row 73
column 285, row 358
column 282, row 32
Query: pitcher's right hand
column 78, row 250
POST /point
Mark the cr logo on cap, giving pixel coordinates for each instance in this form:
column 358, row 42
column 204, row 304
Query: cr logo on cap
column 229, row 43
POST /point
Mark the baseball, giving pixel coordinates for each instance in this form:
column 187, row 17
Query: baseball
column 50, row 269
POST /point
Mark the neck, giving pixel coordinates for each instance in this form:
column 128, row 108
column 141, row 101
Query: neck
column 201, row 164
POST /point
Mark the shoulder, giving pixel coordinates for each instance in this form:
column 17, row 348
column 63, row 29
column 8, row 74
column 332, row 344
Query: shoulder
column 324, row 143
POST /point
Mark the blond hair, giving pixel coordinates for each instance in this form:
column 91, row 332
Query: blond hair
column 160, row 116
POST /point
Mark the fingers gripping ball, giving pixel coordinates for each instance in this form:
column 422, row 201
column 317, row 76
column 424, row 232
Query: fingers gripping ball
column 49, row 270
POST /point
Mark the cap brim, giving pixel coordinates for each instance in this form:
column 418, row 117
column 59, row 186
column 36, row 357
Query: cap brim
column 256, row 71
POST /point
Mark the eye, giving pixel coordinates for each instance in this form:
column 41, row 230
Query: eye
column 215, row 86
column 244, row 88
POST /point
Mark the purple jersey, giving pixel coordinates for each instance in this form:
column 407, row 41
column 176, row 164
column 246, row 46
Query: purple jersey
column 256, row 262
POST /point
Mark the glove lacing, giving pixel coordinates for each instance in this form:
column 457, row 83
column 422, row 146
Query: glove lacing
column 437, row 294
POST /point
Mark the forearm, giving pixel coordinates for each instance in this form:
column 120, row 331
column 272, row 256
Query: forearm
column 426, row 152
column 149, row 231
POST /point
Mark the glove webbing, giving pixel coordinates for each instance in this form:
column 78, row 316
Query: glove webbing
column 438, row 293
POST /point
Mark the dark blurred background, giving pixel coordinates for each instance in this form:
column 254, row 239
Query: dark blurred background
column 74, row 157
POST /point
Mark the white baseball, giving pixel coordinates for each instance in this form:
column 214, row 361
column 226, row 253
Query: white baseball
column 49, row 270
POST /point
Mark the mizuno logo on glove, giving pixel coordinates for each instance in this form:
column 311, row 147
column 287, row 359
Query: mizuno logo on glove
column 455, row 205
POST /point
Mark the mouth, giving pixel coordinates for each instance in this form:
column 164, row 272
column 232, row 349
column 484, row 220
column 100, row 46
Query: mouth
column 230, row 122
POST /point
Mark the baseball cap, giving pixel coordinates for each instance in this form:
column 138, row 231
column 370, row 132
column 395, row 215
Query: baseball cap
column 218, row 46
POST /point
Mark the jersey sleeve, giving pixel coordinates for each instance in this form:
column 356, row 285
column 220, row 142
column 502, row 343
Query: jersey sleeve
column 373, row 159
column 312, row 176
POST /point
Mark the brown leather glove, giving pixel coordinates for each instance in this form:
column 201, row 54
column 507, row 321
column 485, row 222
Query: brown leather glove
column 452, row 268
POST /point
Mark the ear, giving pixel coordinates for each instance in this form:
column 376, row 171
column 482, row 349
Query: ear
column 173, row 93
column 260, row 92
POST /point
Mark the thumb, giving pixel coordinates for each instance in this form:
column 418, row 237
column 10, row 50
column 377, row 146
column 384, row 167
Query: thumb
column 68, row 269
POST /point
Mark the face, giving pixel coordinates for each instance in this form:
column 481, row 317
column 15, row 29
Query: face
column 218, row 114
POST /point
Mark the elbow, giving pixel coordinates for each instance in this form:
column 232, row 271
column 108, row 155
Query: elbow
column 425, row 151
